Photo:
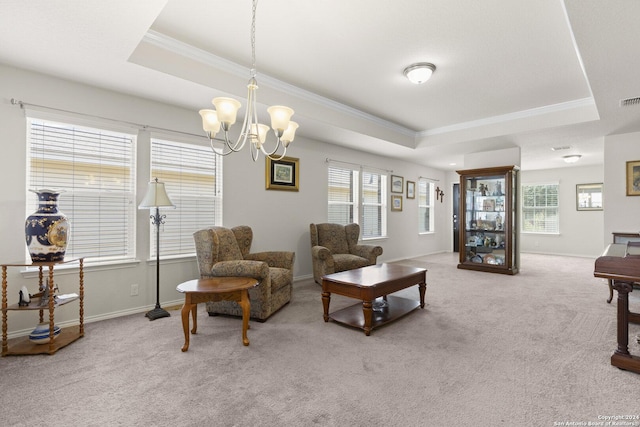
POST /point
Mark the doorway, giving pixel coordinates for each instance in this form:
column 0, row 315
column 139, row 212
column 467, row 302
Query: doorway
column 456, row 209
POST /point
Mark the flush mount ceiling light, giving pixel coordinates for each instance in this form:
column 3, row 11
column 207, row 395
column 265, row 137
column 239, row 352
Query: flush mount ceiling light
column 572, row 158
column 420, row 72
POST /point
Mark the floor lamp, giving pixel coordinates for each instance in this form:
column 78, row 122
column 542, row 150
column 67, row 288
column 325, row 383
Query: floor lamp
column 157, row 198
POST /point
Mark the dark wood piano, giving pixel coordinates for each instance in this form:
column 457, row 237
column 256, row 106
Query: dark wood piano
column 620, row 263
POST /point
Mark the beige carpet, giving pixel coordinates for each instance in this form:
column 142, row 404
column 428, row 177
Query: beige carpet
column 488, row 350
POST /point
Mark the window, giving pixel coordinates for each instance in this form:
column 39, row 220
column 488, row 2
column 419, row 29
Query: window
column 425, row 206
column 358, row 195
column 96, row 170
column 193, row 179
column 540, row 208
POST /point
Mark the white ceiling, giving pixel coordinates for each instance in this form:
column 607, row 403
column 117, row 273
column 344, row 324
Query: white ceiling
column 534, row 74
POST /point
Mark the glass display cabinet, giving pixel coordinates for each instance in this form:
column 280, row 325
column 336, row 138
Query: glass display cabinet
column 489, row 231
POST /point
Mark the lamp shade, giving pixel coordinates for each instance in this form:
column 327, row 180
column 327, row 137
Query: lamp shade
column 289, row 134
column 210, row 122
column 227, row 110
column 280, row 117
column 156, row 196
column 260, row 131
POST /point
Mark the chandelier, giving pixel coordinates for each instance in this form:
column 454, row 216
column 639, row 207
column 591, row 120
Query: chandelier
column 226, row 109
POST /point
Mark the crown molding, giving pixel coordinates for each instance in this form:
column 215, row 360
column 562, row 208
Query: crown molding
column 518, row 115
column 178, row 47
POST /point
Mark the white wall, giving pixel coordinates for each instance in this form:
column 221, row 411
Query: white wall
column 618, row 150
column 581, row 232
column 280, row 220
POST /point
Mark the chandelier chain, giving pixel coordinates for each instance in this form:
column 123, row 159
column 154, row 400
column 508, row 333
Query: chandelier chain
column 253, row 38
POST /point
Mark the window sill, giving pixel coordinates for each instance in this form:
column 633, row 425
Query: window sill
column 173, row 259
column 63, row 269
column 373, row 239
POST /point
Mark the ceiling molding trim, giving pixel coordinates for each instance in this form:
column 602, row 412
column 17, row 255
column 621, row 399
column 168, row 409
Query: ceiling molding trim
column 176, row 46
column 518, row 115
column 575, row 46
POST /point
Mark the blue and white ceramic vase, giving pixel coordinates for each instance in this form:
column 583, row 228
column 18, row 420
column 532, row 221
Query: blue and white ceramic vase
column 47, row 229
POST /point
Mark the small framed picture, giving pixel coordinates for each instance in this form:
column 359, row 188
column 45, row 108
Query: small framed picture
column 633, row 178
column 411, row 190
column 396, row 203
column 283, row 174
column 397, row 184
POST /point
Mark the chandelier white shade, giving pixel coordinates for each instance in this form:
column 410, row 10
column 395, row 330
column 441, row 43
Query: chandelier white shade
column 226, row 110
column 420, row 72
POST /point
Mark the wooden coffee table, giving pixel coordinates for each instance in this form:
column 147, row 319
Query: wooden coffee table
column 367, row 284
column 215, row 289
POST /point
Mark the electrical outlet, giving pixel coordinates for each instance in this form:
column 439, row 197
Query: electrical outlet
column 134, row 289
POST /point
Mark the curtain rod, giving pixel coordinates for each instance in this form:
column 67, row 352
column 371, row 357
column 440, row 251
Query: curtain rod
column 430, row 179
column 327, row 160
column 22, row 104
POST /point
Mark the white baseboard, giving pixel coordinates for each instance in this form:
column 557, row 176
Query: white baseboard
column 98, row 318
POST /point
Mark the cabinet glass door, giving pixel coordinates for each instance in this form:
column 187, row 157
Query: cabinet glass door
column 485, row 220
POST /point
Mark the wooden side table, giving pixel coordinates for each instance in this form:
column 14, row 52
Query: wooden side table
column 67, row 335
column 215, row 289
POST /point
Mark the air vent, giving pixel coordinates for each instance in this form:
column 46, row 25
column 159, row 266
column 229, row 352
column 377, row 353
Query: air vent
column 565, row 147
column 630, row 101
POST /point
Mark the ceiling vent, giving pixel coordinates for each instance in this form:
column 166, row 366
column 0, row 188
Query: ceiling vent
column 630, row 101
column 565, row 147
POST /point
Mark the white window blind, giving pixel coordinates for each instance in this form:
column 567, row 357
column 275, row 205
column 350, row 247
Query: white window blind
column 540, row 208
column 96, row 170
column 425, row 205
column 193, row 179
column 358, row 195
column 374, row 207
column 343, row 196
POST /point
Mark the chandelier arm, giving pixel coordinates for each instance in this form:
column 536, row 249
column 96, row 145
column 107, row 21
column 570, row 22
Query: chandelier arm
column 277, row 158
column 245, row 131
column 227, row 144
column 217, row 151
column 254, row 152
column 238, row 145
column 235, row 147
column 271, row 153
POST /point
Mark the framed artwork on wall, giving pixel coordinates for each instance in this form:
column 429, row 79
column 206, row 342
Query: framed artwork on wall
column 589, row 197
column 283, row 174
column 633, row 178
column 396, row 203
column 397, row 184
column 411, row 190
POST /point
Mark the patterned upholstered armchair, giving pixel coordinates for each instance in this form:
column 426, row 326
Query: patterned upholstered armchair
column 226, row 252
column 335, row 248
